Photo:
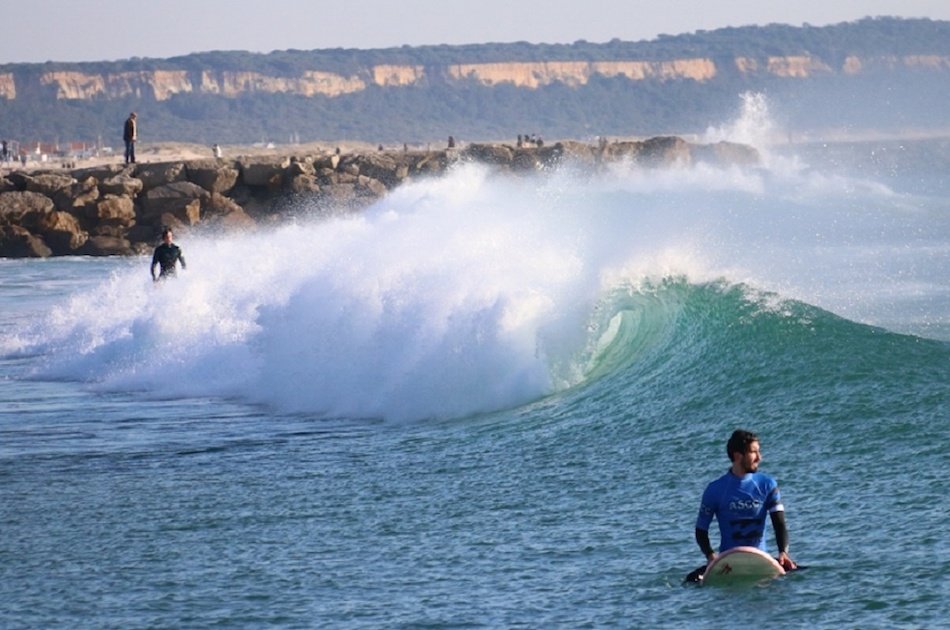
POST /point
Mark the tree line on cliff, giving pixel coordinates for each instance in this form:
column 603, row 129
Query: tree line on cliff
column 467, row 109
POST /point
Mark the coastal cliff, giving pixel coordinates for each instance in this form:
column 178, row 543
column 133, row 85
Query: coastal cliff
column 876, row 73
column 161, row 85
column 119, row 210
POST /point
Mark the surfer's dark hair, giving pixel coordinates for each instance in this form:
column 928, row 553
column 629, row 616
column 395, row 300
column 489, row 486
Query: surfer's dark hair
column 739, row 442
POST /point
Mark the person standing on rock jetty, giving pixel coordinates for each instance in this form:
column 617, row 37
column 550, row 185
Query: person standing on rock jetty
column 130, row 135
column 166, row 256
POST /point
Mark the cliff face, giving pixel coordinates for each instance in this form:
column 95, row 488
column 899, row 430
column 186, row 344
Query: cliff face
column 163, row 84
column 7, row 86
column 575, row 73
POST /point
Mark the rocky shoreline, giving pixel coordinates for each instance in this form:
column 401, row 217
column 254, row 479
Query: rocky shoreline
column 119, row 210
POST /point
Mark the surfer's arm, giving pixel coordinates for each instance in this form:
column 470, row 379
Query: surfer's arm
column 707, row 511
column 181, row 259
column 154, row 264
column 781, row 538
column 702, row 539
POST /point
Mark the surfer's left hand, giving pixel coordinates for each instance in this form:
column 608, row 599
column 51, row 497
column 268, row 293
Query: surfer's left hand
column 787, row 563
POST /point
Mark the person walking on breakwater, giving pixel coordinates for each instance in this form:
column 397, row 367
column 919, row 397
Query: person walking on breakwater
column 166, row 256
column 739, row 501
column 130, row 135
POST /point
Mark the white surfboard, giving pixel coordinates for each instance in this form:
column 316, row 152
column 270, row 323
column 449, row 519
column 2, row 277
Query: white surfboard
column 741, row 564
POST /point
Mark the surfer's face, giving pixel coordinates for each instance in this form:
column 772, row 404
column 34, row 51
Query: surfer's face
column 749, row 461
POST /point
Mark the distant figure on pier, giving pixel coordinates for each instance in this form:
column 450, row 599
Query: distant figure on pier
column 451, row 142
column 533, row 140
column 216, row 150
column 4, row 152
column 166, row 256
column 130, row 135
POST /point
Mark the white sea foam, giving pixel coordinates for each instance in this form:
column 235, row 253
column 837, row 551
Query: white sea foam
column 753, row 125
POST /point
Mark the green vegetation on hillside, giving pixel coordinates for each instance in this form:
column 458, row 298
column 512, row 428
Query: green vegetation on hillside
column 431, row 112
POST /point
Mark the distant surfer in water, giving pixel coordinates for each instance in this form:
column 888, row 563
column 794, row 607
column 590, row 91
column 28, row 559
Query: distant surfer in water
column 166, row 256
column 739, row 501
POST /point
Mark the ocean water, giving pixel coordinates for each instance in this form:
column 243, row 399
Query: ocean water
column 493, row 401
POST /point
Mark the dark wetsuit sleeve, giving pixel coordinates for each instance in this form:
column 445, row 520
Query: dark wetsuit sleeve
column 181, row 259
column 702, row 538
column 781, row 530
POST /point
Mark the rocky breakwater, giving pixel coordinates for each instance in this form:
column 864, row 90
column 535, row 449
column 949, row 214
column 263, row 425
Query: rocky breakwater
column 120, row 210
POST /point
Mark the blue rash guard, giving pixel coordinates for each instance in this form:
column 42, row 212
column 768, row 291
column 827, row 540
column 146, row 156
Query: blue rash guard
column 739, row 505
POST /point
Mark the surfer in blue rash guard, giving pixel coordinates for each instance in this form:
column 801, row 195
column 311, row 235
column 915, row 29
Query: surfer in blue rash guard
column 739, row 501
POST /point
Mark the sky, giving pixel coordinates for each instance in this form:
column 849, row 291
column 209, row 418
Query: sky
column 108, row 30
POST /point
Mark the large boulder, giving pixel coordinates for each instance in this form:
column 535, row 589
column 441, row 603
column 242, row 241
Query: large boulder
column 67, row 193
column 18, row 242
column 49, row 184
column 299, row 167
column 663, row 151
column 383, row 167
column 264, row 171
column 181, row 199
column 160, row 173
column 99, row 173
column 19, row 207
column 215, row 176
column 217, row 204
column 301, row 184
column 618, row 151
column 658, row 151
column 496, row 154
column 369, row 187
column 432, row 163
column 62, row 232
column 331, row 162
column 121, row 184
column 18, row 179
column 568, row 152
column 77, row 196
column 222, row 213
column 112, row 210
